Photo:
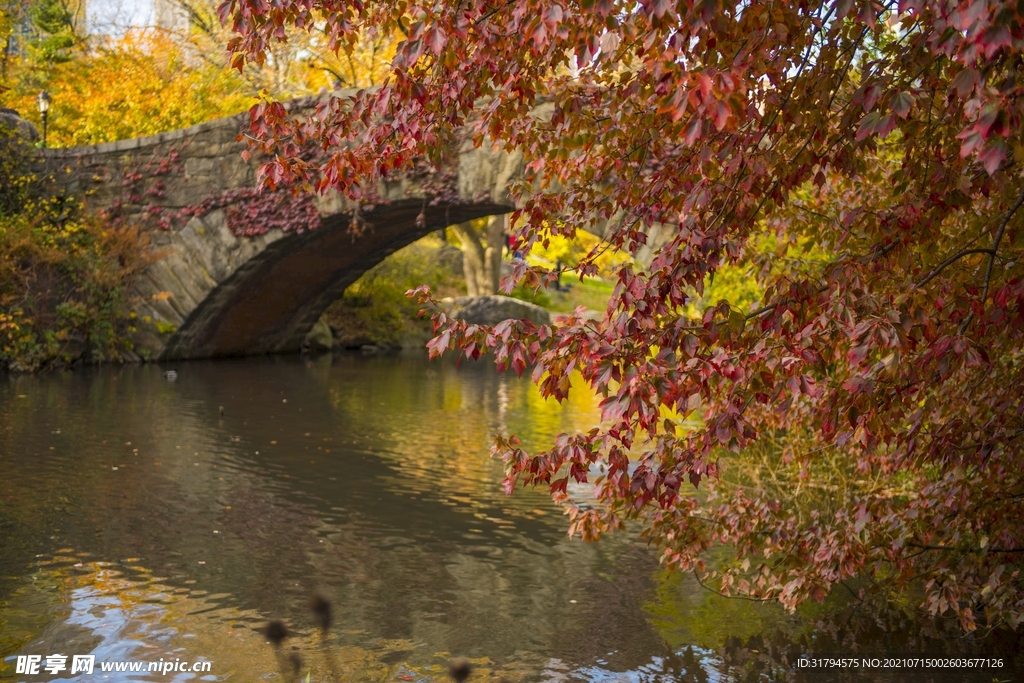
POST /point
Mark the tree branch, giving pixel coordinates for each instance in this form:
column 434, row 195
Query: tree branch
column 992, row 260
column 952, row 259
column 949, row 547
column 765, row 309
column 995, row 244
column 724, row 595
column 492, row 12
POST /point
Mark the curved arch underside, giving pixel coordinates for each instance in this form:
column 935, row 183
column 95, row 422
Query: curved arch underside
column 274, row 297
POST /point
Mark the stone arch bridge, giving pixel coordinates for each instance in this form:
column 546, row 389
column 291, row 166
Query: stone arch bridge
column 211, row 292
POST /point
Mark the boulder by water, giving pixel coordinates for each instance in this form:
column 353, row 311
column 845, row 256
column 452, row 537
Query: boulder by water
column 493, row 309
column 320, row 338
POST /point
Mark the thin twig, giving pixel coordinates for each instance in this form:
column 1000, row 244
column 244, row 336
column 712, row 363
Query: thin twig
column 492, row 12
column 765, row 309
column 724, row 595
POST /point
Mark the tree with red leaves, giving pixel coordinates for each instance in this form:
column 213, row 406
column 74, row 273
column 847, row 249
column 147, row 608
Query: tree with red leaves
column 858, row 162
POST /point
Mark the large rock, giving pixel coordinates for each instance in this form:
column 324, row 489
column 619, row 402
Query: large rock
column 493, row 309
column 320, row 338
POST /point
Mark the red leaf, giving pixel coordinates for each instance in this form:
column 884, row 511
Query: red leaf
column 885, row 125
column 994, row 38
column 436, row 40
column 704, row 84
column 972, row 140
column 965, row 82
column 658, row 7
column 722, row 115
column 690, row 345
column 867, row 125
column 902, row 103
column 993, row 156
column 692, row 131
column 870, row 97
column 540, row 35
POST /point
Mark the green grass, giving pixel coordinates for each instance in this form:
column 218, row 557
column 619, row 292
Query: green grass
column 592, row 293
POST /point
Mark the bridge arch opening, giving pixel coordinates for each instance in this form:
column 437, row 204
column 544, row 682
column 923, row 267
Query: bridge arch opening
column 235, row 296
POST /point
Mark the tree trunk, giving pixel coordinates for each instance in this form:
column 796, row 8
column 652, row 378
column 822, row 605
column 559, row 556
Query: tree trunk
column 481, row 258
column 492, row 255
column 473, row 259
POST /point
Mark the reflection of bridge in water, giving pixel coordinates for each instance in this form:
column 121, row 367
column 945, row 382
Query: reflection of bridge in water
column 213, row 293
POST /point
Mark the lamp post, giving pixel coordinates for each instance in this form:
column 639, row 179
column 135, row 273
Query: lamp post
column 43, row 100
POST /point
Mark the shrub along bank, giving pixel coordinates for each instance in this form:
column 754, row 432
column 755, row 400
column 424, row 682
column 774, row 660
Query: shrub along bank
column 64, row 274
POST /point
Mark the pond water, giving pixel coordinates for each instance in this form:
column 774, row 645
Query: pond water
column 138, row 522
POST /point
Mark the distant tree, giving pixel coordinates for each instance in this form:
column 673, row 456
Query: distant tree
column 10, row 17
column 43, row 31
column 140, row 84
column 858, row 161
column 57, row 33
column 65, row 276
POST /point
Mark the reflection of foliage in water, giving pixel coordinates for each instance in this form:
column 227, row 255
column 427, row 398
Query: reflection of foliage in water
column 408, row 558
column 390, row 501
column 468, row 405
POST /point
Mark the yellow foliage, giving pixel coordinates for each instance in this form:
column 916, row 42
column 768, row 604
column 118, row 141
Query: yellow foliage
column 139, row 85
column 769, row 256
column 64, row 282
column 6, row 25
column 568, row 252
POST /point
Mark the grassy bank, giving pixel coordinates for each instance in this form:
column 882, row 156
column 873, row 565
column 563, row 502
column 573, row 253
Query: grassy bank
column 376, row 311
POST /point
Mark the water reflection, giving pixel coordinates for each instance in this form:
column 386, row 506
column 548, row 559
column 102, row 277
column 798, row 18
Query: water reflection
column 139, row 522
